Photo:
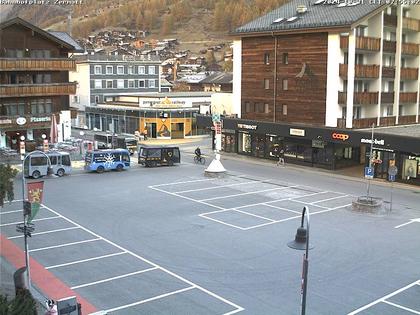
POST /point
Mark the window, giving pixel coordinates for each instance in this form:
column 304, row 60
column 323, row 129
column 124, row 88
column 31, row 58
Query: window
column 109, row 84
column 361, row 30
column 48, row 105
column 249, row 108
column 41, row 106
column 96, row 98
column 392, row 36
column 120, row 69
column 53, row 160
column 98, row 69
column 141, row 83
column 404, row 38
column 402, row 86
column 344, row 112
column 266, row 108
column 285, row 85
column 346, row 58
column 131, row 83
column 47, row 78
column 259, row 107
column 76, row 99
column 403, row 62
column 266, row 84
column 361, row 86
column 109, row 70
column 286, row 58
column 390, row 86
column 152, row 70
column 14, row 53
column 120, row 84
column 130, row 70
column 142, row 70
column 284, row 109
column 267, row 58
column 152, row 84
column 66, row 160
column 401, row 110
column 39, row 161
column 345, row 82
column 98, row 84
column 40, row 53
column 359, row 59
column 357, row 112
column 389, row 110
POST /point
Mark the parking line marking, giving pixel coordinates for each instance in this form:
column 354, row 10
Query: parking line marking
column 84, row 260
column 113, row 278
column 215, row 187
column 46, row 232
column 36, row 220
column 221, row 222
column 247, row 193
column 64, row 245
column 184, row 182
column 148, row 300
column 384, row 297
column 401, row 307
column 329, row 199
column 254, row 215
column 280, row 208
column 13, row 211
column 218, row 297
column 309, row 203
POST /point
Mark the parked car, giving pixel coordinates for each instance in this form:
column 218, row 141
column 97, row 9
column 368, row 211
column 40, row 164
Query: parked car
column 158, row 155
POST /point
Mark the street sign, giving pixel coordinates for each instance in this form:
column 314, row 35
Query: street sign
column 369, row 171
column 392, row 170
column 391, row 178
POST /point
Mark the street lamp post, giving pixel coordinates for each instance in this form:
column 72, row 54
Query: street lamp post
column 301, row 242
column 28, row 228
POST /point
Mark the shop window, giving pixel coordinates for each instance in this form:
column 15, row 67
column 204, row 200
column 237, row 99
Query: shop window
column 266, row 84
column 285, row 85
column 348, row 153
column 284, row 109
column 244, row 143
column 285, row 58
column 267, row 58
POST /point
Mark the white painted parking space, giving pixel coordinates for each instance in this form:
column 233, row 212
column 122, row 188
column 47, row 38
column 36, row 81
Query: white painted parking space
column 244, row 203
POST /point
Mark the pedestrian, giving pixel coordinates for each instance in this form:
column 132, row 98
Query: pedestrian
column 281, row 158
column 51, row 308
column 145, row 134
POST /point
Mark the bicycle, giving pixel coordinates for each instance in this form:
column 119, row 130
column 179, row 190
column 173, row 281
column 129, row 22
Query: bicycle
column 199, row 159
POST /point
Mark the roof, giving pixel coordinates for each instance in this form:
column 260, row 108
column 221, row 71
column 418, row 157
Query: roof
column 65, row 41
column 219, row 78
column 68, row 39
column 321, row 15
column 404, row 130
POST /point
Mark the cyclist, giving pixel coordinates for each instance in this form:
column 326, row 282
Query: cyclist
column 198, row 153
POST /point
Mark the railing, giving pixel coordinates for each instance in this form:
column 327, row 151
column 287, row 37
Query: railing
column 409, row 73
column 360, row 71
column 387, row 121
column 341, row 123
column 57, row 64
column 390, row 46
column 387, row 97
column 383, row 121
column 20, row 90
column 408, row 97
column 411, row 24
column 388, row 72
column 409, row 49
column 362, row 42
column 365, row 98
column 390, row 20
column 364, row 122
column 406, row 120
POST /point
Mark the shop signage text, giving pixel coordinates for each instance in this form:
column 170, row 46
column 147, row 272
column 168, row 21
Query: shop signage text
column 5, row 121
column 375, row 141
column 21, row 121
column 245, row 126
column 40, row 119
column 297, row 132
column 340, row 136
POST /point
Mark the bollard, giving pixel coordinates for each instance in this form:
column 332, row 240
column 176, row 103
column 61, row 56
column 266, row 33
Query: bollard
column 20, row 280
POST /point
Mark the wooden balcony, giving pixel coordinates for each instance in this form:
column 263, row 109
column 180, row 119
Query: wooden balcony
column 362, row 43
column 411, row 24
column 22, row 90
column 410, row 49
column 361, row 71
column 408, row 97
column 387, row 97
column 383, row 121
column 362, row 98
column 409, row 73
column 390, row 20
column 390, row 46
column 29, row 64
column 388, row 72
column 407, row 120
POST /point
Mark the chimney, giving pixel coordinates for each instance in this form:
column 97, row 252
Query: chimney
column 301, row 8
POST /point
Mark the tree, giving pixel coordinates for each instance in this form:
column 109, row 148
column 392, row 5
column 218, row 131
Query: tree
column 7, row 174
column 22, row 304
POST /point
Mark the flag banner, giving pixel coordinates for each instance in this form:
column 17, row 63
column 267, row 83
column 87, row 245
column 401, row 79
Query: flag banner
column 35, row 193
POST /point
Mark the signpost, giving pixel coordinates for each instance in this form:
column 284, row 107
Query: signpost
column 392, row 172
column 369, row 172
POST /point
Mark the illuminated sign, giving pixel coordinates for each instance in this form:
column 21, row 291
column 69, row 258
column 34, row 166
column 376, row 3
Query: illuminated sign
column 245, row 126
column 40, row 119
column 5, row 121
column 21, row 121
column 297, row 132
column 375, row 141
column 340, row 136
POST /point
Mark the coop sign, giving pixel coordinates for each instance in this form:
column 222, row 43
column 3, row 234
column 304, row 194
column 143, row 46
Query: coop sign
column 375, row 141
column 249, row 127
column 40, row 119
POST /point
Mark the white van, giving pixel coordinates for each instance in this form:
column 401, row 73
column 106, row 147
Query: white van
column 36, row 165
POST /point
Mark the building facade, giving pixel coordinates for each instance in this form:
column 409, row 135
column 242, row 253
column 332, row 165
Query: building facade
column 34, row 81
column 102, row 78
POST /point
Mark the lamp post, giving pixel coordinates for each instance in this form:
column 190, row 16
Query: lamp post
column 26, row 229
column 301, row 242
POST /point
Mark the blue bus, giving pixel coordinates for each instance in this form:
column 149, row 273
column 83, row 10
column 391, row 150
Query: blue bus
column 106, row 160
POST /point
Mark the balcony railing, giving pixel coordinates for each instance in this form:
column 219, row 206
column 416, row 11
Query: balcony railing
column 411, row 24
column 390, row 20
column 362, row 43
column 361, row 71
column 363, row 98
column 409, row 49
column 383, row 121
column 29, row 64
column 21, row 90
column 408, row 97
column 390, row 46
column 388, row 72
column 409, row 73
column 406, row 120
column 387, row 97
